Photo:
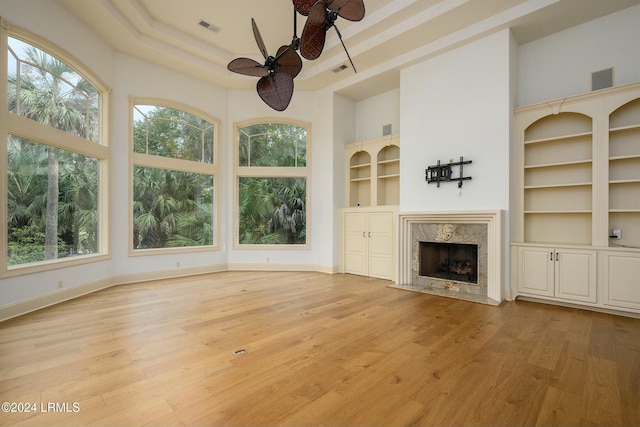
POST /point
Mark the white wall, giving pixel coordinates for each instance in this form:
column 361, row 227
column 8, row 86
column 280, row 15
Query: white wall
column 344, row 132
column 47, row 19
column 305, row 106
column 135, row 78
column 561, row 64
column 460, row 104
column 128, row 76
column 457, row 104
column 374, row 113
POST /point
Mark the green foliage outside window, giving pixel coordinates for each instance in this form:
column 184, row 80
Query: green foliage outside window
column 167, row 132
column 172, row 208
column 272, row 209
column 273, row 144
column 52, row 195
column 51, row 92
column 29, row 178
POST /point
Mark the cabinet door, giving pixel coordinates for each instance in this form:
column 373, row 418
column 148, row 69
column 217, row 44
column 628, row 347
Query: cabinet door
column 380, row 244
column 355, row 245
column 575, row 275
column 536, row 271
column 622, row 280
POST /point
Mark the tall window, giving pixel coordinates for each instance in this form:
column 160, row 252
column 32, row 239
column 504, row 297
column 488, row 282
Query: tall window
column 271, row 171
column 174, row 175
column 55, row 158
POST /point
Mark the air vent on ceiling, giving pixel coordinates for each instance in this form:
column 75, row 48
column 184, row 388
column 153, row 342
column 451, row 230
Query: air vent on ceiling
column 209, row 26
column 340, row 68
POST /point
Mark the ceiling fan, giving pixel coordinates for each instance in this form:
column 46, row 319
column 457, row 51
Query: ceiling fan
column 275, row 86
column 322, row 15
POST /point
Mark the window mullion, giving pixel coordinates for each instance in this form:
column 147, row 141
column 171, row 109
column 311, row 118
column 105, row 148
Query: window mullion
column 30, row 129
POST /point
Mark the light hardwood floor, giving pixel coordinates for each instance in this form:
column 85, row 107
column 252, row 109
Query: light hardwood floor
column 331, row 350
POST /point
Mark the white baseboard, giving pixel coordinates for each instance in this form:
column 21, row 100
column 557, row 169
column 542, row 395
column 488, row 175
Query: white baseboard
column 282, row 267
column 169, row 274
column 32, row 304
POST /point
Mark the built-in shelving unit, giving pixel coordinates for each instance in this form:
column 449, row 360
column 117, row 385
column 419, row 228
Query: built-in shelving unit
column 558, row 179
column 389, row 175
column 368, row 223
column 374, row 172
column 360, row 179
column 624, row 172
column 577, row 163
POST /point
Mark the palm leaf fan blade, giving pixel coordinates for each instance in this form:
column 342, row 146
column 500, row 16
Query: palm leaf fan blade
column 289, row 61
column 351, row 10
column 304, row 6
column 248, row 67
column 258, row 37
column 314, row 33
column 276, row 90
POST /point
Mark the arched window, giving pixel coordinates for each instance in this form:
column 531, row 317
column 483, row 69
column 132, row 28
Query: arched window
column 174, row 177
column 56, row 158
column 272, row 182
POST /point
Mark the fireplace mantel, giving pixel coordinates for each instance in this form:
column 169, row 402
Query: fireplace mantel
column 495, row 249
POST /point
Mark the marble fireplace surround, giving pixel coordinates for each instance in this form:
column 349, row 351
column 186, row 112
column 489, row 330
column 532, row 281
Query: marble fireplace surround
column 457, row 227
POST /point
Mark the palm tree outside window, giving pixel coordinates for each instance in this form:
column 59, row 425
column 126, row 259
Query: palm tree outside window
column 174, row 177
column 55, row 206
column 272, row 180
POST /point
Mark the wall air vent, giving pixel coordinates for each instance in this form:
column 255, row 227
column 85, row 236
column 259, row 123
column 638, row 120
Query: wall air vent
column 602, row 79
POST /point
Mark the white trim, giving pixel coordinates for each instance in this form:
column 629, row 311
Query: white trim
column 617, row 311
column 168, row 274
column 283, row 267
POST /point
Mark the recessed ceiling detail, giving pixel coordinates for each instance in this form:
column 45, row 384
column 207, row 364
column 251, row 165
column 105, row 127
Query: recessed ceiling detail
column 393, row 35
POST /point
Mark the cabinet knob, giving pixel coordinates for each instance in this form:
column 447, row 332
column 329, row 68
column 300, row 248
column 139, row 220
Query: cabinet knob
column 551, row 256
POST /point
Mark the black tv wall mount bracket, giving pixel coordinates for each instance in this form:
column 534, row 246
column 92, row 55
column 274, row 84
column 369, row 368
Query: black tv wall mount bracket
column 444, row 172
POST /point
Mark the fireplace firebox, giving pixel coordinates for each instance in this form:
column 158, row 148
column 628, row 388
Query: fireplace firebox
column 449, row 261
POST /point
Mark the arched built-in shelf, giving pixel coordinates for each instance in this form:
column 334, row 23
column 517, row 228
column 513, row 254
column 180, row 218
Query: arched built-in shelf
column 624, row 172
column 558, row 151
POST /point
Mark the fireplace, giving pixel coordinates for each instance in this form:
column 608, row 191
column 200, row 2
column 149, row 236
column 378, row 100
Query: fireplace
column 449, row 261
column 453, row 254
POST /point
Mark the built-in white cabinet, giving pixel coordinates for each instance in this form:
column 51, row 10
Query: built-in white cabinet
column 568, row 274
column 621, row 279
column 369, row 242
column 368, row 223
column 577, row 179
